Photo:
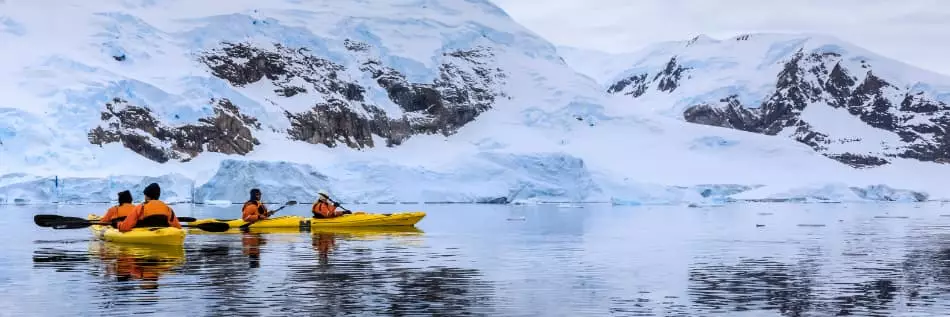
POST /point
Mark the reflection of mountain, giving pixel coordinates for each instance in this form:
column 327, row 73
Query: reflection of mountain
column 927, row 272
column 225, row 283
column 340, row 278
column 792, row 289
column 753, row 284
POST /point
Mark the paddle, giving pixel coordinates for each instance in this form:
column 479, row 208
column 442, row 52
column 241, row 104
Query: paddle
column 270, row 213
column 77, row 223
column 45, row 220
column 355, row 213
column 289, row 203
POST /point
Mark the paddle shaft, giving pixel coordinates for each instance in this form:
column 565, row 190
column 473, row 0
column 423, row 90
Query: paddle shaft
column 76, row 224
column 344, row 208
column 271, row 213
column 335, row 202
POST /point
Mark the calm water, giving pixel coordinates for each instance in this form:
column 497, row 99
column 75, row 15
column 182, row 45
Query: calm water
column 743, row 260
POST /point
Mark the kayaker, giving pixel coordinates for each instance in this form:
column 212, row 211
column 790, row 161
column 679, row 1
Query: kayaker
column 253, row 209
column 119, row 212
column 323, row 209
column 151, row 213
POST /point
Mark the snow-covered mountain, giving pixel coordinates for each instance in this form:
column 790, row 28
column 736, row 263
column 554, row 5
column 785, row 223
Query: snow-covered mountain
column 403, row 100
column 843, row 101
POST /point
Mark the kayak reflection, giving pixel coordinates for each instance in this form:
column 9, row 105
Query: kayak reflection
column 325, row 239
column 144, row 263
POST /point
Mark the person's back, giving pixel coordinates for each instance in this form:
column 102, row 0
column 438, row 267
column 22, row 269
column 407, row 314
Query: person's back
column 151, row 213
column 121, row 211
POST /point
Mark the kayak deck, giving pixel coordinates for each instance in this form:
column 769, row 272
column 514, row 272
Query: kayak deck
column 351, row 220
column 152, row 236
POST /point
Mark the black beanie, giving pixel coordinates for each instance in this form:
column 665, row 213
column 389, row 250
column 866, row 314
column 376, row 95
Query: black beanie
column 125, row 197
column 255, row 192
column 152, row 191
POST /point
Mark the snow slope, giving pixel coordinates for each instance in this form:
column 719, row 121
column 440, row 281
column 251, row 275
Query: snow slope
column 847, row 103
column 547, row 133
column 746, row 66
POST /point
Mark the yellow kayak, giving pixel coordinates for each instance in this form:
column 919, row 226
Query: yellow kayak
column 276, row 222
column 358, row 219
column 157, row 236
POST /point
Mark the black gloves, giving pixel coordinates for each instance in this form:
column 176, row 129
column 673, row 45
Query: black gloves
column 336, row 204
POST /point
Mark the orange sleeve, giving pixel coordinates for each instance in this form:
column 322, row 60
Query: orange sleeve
column 110, row 214
column 331, row 209
column 249, row 214
column 173, row 221
column 130, row 221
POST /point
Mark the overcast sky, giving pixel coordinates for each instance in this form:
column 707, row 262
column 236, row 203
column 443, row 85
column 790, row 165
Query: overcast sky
column 914, row 31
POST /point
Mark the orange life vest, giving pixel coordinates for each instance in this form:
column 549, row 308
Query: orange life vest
column 124, row 210
column 323, row 210
column 155, row 207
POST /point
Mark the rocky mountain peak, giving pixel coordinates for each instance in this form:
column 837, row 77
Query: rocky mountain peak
column 815, row 86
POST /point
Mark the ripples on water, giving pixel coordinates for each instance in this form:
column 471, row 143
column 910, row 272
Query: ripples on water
column 555, row 262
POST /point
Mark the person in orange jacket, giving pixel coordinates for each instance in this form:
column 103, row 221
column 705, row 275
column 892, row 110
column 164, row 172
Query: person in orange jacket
column 151, row 213
column 119, row 212
column 253, row 209
column 323, row 209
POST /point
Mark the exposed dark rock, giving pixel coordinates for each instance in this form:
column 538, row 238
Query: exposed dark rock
column 857, row 160
column 869, row 103
column 466, row 87
column 228, row 132
column 839, row 86
column 670, row 76
column 667, row 79
column 334, row 122
column 734, row 115
column 496, row 201
column 241, row 64
column 636, row 82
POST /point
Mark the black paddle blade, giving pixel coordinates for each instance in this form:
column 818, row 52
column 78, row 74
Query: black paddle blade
column 212, row 226
column 45, row 220
column 72, row 225
column 186, row 219
column 291, row 203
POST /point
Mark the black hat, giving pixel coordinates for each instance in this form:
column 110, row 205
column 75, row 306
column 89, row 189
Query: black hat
column 152, row 191
column 125, row 197
column 254, row 193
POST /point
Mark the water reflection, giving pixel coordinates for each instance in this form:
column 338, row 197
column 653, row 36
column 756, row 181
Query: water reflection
column 251, row 243
column 617, row 263
column 137, row 263
column 122, row 263
column 802, row 289
column 361, row 272
column 758, row 284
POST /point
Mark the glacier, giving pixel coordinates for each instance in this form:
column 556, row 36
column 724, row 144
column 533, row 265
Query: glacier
column 555, row 136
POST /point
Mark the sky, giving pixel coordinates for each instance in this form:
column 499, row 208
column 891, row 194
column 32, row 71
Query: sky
column 916, row 32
